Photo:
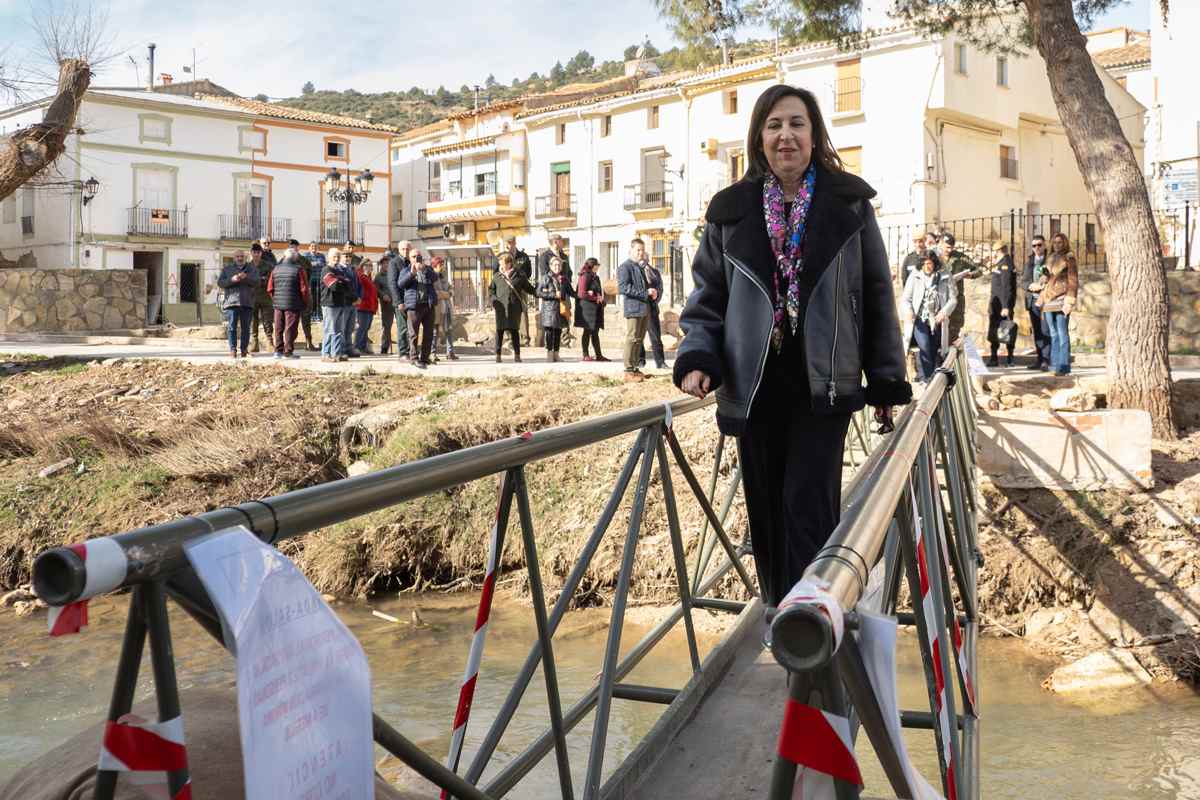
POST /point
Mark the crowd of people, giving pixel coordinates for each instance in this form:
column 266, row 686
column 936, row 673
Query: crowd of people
column 932, row 314
column 282, row 296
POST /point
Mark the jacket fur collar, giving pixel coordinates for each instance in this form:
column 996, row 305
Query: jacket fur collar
column 834, row 217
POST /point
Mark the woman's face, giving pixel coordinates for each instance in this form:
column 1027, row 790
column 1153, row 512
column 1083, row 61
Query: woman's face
column 927, row 265
column 787, row 137
column 1059, row 244
column 555, row 266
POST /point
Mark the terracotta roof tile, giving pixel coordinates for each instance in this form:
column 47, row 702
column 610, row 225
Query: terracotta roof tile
column 422, row 130
column 1136, row 53
column 297, row 114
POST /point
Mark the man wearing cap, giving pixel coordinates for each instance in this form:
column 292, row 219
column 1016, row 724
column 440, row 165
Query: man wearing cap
column 264, row 308
column 522, row 268
column 387, row 310
column 555, row 249
column 268, row 253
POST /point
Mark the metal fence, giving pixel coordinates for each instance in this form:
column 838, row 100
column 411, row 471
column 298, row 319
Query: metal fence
column 160, row 222
column 975, row 236
column 911, row 514
column 156, row 567
column 254, row 226
column 1177, row 227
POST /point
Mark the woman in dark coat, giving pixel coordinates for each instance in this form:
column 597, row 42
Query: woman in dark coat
column 554, row 293
column 1000, row 305
column 589, row 309
column 505, row 294
column 792, row 305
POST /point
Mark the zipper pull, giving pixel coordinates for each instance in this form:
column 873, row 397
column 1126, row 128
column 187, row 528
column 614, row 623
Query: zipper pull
column 832, row 393
column 854, row 305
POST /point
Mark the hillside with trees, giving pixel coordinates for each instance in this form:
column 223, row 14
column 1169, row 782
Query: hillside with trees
column 417, row 106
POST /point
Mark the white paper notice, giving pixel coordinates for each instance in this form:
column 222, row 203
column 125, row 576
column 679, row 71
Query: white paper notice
column 304, row 687
column 974, row 362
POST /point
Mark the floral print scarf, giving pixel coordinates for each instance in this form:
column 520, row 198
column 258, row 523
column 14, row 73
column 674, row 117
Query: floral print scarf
column 786, row 233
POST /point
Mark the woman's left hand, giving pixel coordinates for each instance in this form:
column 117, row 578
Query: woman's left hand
column 886, row 419
column 1004, row 313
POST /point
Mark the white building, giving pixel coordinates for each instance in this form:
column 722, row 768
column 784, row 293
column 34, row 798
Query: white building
column 184, row 182
column 941, row 129
column 1173, row 131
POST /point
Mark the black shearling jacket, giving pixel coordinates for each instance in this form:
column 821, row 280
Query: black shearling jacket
column 850, row 323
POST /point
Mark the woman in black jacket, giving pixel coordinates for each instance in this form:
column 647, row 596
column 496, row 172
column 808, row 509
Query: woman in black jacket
column 554, row 314
column 792, row 305
column 589, row 308
column 507, row 294
column 1001, row 304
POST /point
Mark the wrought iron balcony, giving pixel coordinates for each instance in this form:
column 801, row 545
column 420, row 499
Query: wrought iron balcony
column 162, row 222
column 648, row 196
column 249, row 227
column 336, row 231
column 554, row 206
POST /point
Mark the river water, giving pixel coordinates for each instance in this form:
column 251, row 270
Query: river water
column 1138, row 744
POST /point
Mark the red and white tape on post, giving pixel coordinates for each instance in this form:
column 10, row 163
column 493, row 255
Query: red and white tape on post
column 466, row 692
column 935, row 646
column 105, row 567
column 820, row 744
column 148, row 749
column 964, row 667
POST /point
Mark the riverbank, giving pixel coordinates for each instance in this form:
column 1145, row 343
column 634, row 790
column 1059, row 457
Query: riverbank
column 103, row 447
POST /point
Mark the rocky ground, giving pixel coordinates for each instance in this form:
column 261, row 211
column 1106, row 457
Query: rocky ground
column 1104, row 578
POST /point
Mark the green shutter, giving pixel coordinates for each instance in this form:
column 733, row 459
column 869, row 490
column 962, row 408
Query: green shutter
column 561, row 168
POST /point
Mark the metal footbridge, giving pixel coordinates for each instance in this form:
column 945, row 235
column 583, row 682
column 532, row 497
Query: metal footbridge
column 775, row 710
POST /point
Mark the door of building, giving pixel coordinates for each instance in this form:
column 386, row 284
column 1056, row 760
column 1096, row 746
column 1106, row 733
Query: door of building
column 152, row 263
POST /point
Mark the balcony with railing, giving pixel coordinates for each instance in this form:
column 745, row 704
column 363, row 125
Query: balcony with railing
column 554, row 206
column 847, row 95
column 158, row 222
column 247, row 227
column 651, row 196
column 335, row 231
column 476, row 197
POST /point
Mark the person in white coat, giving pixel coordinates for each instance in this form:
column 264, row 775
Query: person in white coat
column 928, row 300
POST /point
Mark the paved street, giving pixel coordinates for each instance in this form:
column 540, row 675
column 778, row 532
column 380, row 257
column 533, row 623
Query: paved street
column 472, row 362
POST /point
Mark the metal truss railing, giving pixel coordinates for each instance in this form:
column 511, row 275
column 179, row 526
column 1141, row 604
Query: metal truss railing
column 910, row 514
column 155, row 567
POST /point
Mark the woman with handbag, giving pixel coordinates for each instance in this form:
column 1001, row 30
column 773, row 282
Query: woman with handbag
column 1060, row 288
column 589, row 309
column 1002, row 328
column 928, row 300
column 554, row 314
column 507, row 292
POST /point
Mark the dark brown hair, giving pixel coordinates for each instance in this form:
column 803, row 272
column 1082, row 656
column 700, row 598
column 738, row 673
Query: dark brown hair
column 822, row 149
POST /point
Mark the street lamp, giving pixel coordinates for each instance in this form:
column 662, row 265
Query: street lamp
column 90, row 187
column 350, row 194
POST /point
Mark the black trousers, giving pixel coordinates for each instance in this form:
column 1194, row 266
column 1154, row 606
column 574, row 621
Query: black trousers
column 420, row 333
column 654, row 328
column 594, row 338
column 1041, row 332
column 553, row 339
column 792, row 477
column 516, row 340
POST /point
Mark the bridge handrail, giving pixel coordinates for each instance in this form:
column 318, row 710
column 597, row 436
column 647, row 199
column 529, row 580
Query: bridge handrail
column 156, row 552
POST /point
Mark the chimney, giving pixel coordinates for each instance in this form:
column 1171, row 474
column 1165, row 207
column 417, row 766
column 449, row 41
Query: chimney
column 152, row 46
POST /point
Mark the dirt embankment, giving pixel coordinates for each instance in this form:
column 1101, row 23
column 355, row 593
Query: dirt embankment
column 1113, row 572
column 153, row 440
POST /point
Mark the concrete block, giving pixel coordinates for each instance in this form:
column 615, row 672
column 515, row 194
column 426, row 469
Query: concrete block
column 1029, row 448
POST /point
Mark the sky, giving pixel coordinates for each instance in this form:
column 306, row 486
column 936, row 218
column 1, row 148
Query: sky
column 274, row 46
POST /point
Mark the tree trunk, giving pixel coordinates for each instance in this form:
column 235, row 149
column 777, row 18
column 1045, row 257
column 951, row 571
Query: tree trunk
column 1135, row 346
column 30, row 150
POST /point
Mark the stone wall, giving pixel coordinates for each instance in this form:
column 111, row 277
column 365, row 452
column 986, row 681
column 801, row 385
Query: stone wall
column 62, row 300
column 1089, row 321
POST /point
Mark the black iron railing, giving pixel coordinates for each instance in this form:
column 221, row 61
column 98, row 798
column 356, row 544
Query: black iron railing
column 249, row 226
column 648, row 196
column 975, row 236
column 1179, row 230
column 165, row 222
column 554, row 205
column 336, row 231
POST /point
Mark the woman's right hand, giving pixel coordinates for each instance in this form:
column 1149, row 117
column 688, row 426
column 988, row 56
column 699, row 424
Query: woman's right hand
column 696, row 383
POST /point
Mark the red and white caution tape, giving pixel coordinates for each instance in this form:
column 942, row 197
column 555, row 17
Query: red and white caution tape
column 813, row 593
column 964, row 668
column 466, row 692
column 819, row 743
column 105, row 569
column 935, row 645
column 151, row 749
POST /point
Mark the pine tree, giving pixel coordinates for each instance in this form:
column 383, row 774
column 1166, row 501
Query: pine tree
column 308, row 88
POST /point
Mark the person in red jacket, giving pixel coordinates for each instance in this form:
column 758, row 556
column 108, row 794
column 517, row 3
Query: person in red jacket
column 366, row 308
